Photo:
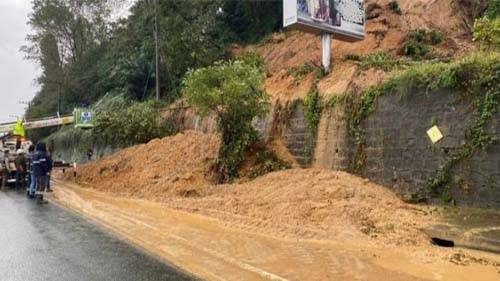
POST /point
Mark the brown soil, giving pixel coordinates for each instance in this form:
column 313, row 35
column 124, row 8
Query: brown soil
column 283, row 153
column 385, row 31
column 314, row 203
column 305, row 203
column 156, row 170
column 331, row 219
column 212, row 251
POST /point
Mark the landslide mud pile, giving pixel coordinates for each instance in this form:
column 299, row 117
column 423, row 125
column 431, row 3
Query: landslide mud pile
column 296, row 203
column 162, row 167
column 315, row 203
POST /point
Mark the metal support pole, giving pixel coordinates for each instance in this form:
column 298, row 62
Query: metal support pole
column 157, row 53
column 326, row 42
column 59, row 99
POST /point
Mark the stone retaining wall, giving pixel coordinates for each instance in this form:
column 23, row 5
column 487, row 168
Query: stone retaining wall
column 398, row 152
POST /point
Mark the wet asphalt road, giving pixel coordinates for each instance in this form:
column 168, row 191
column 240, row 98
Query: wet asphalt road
column 46, row 242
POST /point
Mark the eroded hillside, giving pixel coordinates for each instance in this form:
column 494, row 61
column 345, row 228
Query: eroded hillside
column 386, row 31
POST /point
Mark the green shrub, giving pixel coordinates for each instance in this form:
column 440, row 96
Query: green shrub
column 487, row 33
column 435, row 37
column 379, row 60
column 299, row 72
column 252, row 59
column 446, row 196
column 416, row 45
column 415, row 49
column 493, row 10
column 132, row 125
column 419, row 35
column 335, row 100
column 352, row 57
column 234, row 92
column 395, row 7
column 267, row 162
column 313, row 107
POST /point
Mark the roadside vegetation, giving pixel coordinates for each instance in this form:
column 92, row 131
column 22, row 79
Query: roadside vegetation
column 85, row 54
column 234, row 92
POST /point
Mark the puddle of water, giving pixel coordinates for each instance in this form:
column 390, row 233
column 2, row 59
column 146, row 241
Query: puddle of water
column 470, row 227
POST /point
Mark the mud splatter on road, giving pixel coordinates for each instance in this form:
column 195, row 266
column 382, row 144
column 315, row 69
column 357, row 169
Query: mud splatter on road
column 205, row 247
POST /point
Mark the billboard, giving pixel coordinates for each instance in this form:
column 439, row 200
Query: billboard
column 344, row 19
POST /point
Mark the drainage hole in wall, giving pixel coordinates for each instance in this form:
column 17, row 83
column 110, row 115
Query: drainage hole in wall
column 442, row 242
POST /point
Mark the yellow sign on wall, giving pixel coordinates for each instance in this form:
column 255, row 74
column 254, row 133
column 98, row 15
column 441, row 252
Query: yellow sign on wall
column 434, row 134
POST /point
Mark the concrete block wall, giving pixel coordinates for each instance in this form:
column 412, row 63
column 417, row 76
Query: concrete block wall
column 399, row 153
column 296, row 136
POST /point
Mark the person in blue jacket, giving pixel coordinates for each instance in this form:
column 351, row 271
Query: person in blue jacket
column 42, row 165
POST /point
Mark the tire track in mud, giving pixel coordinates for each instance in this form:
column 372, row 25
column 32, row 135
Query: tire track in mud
column 207, row 248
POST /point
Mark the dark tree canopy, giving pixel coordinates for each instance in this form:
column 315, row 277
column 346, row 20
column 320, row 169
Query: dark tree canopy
column 84, row 54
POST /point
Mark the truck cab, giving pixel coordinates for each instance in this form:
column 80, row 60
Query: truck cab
column 10, row 143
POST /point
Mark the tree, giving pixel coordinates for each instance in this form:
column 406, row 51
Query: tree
column 84, row 55
column 487, row 32
column 234, row 91
column 65, row 35
column 249, row 21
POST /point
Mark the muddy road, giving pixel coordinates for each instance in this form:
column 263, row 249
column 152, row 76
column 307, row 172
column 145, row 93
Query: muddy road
column 219, row 250
column 46, row 242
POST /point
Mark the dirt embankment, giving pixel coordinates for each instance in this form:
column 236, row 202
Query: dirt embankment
column 303, row 203
column 385, row 31
column 157, row 170
column 314, row 203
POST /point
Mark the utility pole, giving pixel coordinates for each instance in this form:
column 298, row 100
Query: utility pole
column 59, row 94
column 28, row 103
column 59, row 99
column 157, row 53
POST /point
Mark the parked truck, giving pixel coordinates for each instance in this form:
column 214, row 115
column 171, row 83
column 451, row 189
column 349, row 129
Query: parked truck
column 13, row 137
column 11, row 144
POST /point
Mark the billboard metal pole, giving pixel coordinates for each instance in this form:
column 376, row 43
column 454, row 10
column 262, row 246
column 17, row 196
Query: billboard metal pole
column 326, row 42
column 342, row 19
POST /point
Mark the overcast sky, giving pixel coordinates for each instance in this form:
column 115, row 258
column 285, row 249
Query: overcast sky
column 16, row 74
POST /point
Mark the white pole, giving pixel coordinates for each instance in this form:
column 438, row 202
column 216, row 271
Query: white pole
column 326, row 51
